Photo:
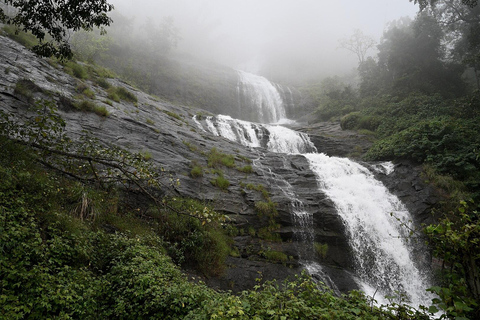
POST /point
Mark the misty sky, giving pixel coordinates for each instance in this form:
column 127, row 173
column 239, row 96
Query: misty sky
column 261, row 35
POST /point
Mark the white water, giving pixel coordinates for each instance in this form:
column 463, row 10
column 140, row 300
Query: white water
column 257, row 91
column 275, row 138
column 383, row 259
column 371, row 215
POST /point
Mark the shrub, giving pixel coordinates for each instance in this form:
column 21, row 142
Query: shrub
column 112, row 94
column 196, row 172
column 321, row 249
column 103, row 83
column 27, row 39
column 350, row 121
column 221, row 182
column 76, row 70
column 276, row 256
column 267, row 209
column 92, row 107
column 246, row 169
column 126, row 95
column 217, row 158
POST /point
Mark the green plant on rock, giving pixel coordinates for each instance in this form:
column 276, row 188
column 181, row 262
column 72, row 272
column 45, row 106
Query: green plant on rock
column 90, row 106
column 275, row 256
column 217, row 159
column 126, row 95
column 221, row 182
column 321, row 249
column 196, row 172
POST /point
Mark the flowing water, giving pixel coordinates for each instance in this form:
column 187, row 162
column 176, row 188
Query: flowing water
column 260, row 98
column 373, row 217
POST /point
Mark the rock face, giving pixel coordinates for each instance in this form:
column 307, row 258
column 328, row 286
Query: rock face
column 169, row 133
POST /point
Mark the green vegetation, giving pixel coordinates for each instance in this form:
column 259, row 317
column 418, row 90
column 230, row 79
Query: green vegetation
column 321, row 249
column 246, row 169
column 90, row 106
column 221, row 182
column 173, row 114
column 75, row 69
column 217, row 158
column 419, row 106
column 197, row 171
column 275, row 256
column 85, row 90
column 50, row 22
column 26, row 88
column 126, row 95
column 117, row 93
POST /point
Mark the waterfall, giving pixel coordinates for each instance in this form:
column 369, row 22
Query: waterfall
column 372, row 216
column 259, row 99
column 274, row 138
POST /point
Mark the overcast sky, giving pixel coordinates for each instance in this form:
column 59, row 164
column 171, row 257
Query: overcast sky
column 258, row 35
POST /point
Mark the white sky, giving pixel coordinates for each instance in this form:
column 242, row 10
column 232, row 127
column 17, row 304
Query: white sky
column 249, row 34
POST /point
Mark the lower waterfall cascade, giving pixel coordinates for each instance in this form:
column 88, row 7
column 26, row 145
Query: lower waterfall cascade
column 373, row 217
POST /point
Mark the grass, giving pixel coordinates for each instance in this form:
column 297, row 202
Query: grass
column 126, row 95
column 217, row 158
column 26, row 88
column 85, row 90
column 275, row 256
column 27, row 39
column 321, row 249
column 92, row 107
column 196, row 172
column 76, row 70
column 173, row 114
column 221, row 182
column 119, row 93
column 246, row 169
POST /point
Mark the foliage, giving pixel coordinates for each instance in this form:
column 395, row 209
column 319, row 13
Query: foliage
column 275, row 256
column 50, row 22
column 221, row 182
column 196, row 172
column 217, row 158
column 321, row 249
column 75, row 69
column 456, row 240
column 126, row 95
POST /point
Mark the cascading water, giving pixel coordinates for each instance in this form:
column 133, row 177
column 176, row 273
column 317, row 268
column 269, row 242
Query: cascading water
column 371, row 214
column 373, row 218
column 259, row 99
column 275, row 138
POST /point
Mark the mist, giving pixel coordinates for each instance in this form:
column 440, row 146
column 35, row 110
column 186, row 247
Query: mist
column 284, row 40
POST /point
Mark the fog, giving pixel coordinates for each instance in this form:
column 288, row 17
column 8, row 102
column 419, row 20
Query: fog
column 280, row 39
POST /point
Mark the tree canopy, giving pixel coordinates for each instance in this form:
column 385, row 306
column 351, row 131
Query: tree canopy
column 51, row 21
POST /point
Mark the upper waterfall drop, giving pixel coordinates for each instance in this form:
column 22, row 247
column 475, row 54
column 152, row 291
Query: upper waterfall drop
column 259, row 99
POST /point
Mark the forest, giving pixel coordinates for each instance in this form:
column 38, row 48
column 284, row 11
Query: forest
column 73, row 244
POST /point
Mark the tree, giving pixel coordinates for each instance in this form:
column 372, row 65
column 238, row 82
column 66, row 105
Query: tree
column 359, row 44
column 52, row 21
column 426, row 3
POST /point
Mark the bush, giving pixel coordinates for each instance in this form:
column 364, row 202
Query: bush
column 196, row 172
column 217, row 158
column 76, row 70
column 221, row 182
column 276, row 256
column 126, row 95
column 92, row 107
